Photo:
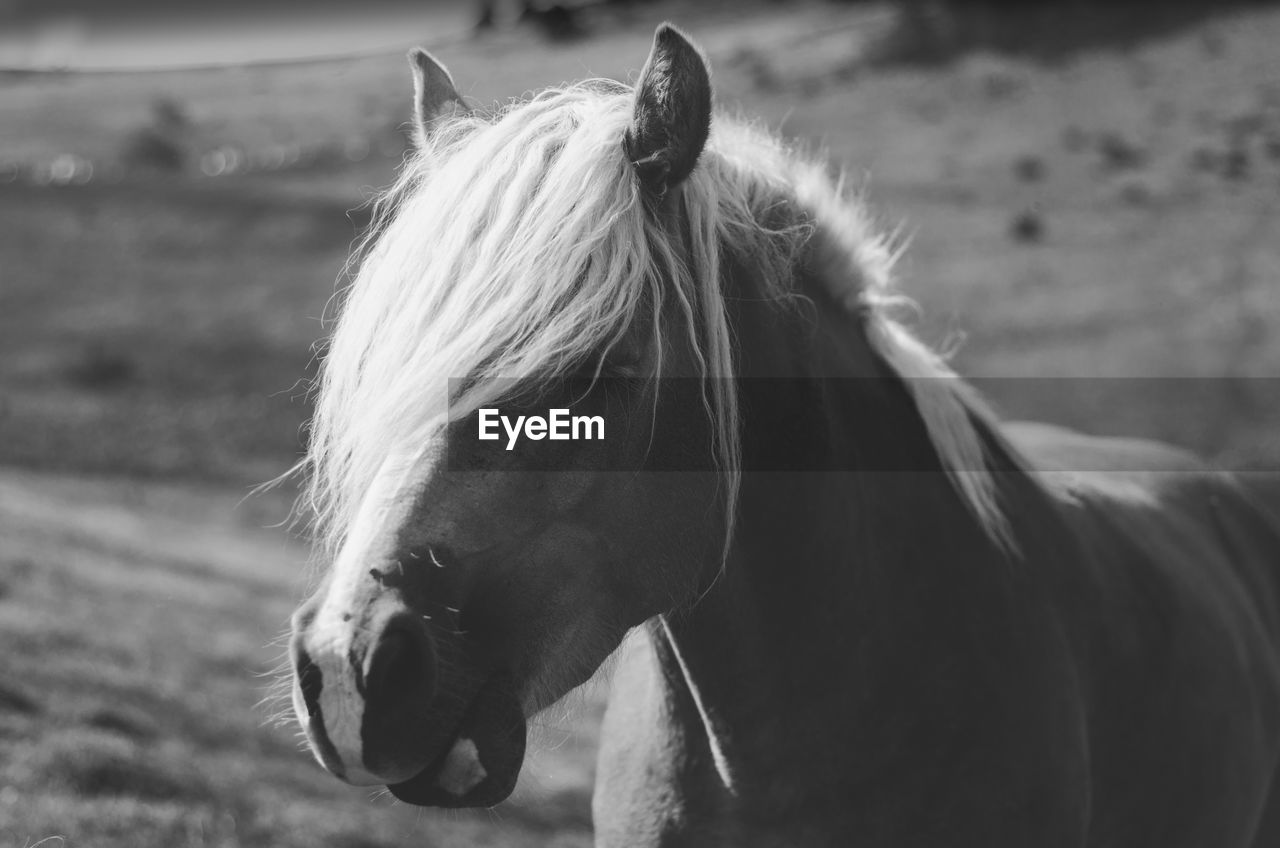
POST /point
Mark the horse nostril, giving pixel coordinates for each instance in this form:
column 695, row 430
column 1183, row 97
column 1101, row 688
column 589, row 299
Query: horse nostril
column 401, row 669
column 399, row 685
column 310, row 680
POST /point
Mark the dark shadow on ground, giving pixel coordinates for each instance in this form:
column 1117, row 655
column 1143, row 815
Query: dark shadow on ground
column 931, row 32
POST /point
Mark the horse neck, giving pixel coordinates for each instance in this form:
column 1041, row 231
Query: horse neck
column 836, row 581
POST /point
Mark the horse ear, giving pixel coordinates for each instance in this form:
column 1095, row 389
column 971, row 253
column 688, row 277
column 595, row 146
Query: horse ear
column 672, row 115
column 432, row 91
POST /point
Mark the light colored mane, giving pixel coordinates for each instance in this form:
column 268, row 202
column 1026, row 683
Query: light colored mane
column 517, row 246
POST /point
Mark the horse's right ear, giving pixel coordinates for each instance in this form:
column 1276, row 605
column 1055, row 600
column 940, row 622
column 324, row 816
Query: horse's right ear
column 433, row 90
column 672, row 116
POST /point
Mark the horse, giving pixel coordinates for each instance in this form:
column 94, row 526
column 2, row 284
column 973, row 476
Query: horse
column 868, row 610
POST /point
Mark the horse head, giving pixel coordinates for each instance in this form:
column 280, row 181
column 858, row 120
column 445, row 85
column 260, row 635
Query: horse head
column 535, row 260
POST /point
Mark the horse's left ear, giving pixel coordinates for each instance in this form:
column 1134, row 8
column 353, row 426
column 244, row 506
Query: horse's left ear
column 433, row 90
column 672, row 115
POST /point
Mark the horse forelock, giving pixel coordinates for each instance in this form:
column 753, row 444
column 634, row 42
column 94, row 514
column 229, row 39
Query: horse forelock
column 514, row 246
column 517, row 245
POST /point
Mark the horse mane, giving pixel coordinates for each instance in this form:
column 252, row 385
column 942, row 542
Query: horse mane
column 857, row 269
column 517, row 245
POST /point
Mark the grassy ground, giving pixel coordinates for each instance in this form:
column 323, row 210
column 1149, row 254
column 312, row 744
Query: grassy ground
column 1106, row 215
column 140, row 625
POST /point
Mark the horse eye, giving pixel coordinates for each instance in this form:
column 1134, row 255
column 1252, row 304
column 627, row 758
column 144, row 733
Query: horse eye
column 621, row 369
column 615, row 365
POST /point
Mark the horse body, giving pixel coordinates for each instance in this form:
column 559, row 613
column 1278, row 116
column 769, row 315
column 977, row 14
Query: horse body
column 855, row 678
column 880, row 618
column 1173, row 609
column 1117, row 685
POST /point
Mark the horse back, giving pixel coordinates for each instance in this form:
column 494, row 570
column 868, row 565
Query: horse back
column 1171, row 594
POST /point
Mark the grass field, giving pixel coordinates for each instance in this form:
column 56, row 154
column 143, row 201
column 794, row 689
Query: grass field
column 140, row 625
column 1107, row 215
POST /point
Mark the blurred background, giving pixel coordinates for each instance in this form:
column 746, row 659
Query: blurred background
column 1090, row 193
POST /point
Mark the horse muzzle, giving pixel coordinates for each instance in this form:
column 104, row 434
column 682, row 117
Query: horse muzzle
column 385, row 699
column 480, row 767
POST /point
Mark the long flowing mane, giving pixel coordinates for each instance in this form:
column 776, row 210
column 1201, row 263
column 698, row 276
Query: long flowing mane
column 516, row 245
